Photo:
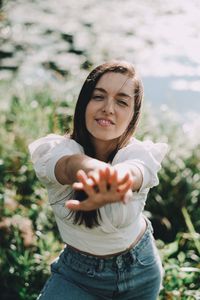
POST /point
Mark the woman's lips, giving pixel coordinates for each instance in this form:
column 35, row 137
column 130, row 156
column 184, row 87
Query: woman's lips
column 104, row 122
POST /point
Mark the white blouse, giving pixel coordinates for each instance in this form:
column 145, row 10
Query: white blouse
column 120, row 223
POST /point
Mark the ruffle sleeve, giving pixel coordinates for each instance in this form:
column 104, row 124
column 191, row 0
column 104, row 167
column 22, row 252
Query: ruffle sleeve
column 147, row 156
column 46, row 151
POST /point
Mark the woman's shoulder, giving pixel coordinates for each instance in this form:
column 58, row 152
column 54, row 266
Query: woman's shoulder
column 52, row 142
column 51, row 139
column 46, row 151
column 135, row 144
column 138, row 148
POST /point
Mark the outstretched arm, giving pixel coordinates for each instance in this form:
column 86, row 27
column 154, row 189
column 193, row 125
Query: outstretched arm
column 102, row 183
column 67, row 167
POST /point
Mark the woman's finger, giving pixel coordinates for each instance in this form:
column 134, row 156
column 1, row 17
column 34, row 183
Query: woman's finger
column 102, row 185
column 113, row 181
column 77, row 186
column 124, row 179
column 107, row 174
column 87, row 183
column 76, row 205
column 95, row 177
column 73, row 204
column 124, row 188
column 86, row 205
column 81, row 176
column 113, row 175
column 84, row 179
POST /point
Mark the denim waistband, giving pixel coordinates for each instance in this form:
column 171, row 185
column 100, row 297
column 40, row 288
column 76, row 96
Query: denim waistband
column 73, row 256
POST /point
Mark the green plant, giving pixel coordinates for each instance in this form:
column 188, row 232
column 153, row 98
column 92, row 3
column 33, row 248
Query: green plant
column 29, row 239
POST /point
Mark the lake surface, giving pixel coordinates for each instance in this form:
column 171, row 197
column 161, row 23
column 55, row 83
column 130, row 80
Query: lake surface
column 53, row 42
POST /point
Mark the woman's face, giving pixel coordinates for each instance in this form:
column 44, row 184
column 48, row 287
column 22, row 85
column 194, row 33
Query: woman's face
column 111, row 107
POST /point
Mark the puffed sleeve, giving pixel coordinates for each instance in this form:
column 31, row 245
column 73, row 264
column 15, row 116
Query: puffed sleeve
column 147, row 156
column 46, row 151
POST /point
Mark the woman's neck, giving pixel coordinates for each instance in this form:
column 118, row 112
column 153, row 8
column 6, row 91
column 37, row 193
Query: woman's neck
column 103, row 149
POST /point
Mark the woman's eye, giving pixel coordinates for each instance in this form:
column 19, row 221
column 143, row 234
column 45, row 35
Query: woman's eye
column 122, row 102
column 97, row 97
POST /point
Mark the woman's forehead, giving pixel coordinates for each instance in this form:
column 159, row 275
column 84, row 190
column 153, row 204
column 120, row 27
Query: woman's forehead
column 116, row 83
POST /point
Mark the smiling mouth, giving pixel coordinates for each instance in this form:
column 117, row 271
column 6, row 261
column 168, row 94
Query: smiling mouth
column 104, row 122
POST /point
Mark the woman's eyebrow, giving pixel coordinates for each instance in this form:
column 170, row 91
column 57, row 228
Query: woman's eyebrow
column 121, row 94
column 124, row 95
column 100, row 90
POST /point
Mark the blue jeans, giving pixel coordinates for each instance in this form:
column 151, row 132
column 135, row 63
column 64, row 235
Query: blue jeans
column 133, row 275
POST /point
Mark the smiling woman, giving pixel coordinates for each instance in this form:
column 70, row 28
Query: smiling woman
column 110, row 111
column 124, row 74
column 98, row 180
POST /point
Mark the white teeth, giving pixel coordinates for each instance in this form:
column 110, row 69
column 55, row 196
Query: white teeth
column 104, row 122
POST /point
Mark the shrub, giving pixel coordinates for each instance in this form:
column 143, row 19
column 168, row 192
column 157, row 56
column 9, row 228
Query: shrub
column 28, row 235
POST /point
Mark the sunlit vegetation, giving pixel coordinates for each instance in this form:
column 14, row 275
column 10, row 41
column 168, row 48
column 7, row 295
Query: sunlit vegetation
column 28, row 234
column 46, row 54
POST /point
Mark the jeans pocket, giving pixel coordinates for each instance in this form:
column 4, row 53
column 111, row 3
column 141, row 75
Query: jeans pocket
column 79, row 266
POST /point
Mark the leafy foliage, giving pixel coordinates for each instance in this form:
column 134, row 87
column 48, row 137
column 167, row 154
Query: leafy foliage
column 29, row 237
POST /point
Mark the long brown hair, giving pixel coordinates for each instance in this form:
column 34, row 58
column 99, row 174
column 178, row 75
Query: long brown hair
column 82, row 136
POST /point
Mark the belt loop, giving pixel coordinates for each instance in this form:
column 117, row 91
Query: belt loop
column 101, row 265
column 131, row 257
column 119, row 261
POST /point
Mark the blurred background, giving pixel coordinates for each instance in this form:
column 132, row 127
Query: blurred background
column 47, row 50
column 53, row 42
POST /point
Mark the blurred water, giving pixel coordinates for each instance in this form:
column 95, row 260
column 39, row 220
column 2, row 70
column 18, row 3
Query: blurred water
column 52, row 39
column 160, row 91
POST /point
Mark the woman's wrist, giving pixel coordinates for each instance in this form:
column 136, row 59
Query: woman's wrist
column 81, row 162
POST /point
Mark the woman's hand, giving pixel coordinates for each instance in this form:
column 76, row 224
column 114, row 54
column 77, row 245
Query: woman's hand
column 102, row 187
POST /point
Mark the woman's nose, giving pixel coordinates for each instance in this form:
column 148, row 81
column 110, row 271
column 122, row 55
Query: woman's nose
column 108, row 106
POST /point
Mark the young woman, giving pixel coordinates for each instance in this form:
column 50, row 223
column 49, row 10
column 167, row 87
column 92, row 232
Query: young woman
column 97, row 181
